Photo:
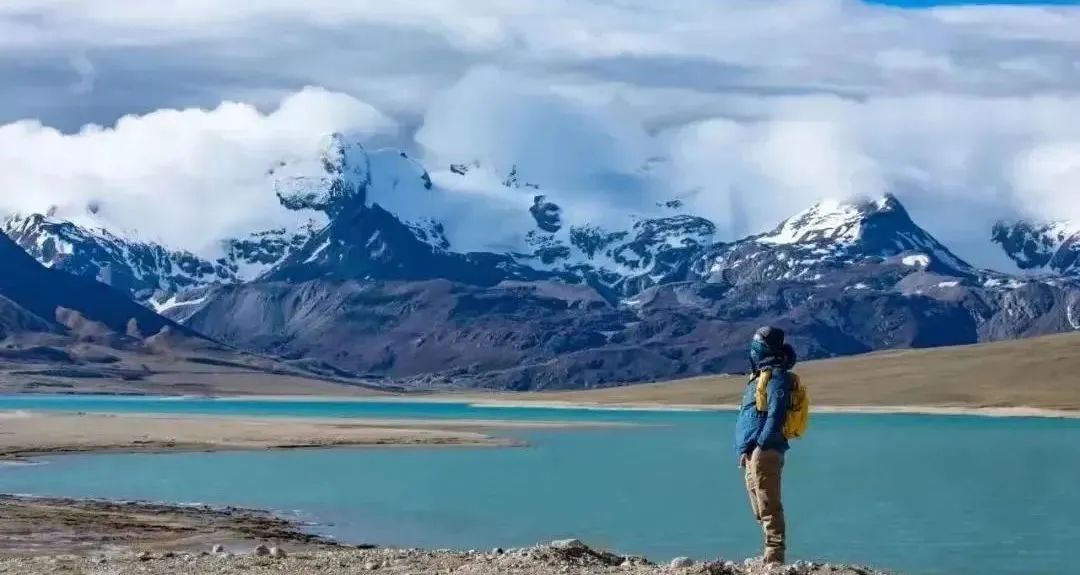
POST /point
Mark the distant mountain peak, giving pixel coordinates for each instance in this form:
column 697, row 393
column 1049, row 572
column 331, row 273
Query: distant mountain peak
column 343, row 176
column 1052, row 247
column 830, row 235
column 836, row 221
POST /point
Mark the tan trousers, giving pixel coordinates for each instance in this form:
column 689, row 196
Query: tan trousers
column 763, row 473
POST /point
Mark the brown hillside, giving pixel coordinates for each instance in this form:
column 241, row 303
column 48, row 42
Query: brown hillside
column 1040, row 372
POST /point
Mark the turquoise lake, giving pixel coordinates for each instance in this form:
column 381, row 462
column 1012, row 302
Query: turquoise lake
column 915, row 494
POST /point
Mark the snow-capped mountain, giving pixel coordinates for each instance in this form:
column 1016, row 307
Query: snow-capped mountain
column 373, row 196
column 1048, row 248
column 588, row 306
column 138, row 268
column 861, row 229
column 831, row 236
column 404, row 277
column 147, row 271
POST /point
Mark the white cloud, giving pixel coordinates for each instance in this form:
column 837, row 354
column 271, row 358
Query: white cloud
column 758, row 107
column 1046, row 174
column 913, row 62
column 959, row 163
column 508, row 120
column 184, row 177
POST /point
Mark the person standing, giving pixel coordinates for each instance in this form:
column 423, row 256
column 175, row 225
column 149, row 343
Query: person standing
column 760, row 440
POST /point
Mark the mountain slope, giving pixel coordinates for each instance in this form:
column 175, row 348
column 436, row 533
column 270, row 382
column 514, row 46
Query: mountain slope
column 35, row 298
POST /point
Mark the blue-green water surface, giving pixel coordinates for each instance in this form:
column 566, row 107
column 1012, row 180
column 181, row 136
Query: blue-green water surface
column 917, row 494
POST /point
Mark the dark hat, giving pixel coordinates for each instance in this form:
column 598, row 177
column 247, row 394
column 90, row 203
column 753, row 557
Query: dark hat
column 772, row 337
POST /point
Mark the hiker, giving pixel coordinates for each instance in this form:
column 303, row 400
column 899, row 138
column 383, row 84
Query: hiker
column 762, row 431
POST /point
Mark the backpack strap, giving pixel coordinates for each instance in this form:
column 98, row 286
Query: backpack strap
column 796, row 384
column 761, row 393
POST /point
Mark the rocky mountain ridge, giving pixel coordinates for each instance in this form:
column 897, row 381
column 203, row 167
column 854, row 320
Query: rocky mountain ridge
column 1052, row 248
column 842, row 278
column 148, row 272
column 387, row 290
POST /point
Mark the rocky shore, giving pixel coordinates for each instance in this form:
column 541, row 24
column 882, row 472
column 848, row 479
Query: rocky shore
column 36, row 526
column 558, row 558
column 54, row 536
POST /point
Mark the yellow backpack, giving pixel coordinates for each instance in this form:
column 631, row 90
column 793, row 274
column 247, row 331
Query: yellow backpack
column 798, row 417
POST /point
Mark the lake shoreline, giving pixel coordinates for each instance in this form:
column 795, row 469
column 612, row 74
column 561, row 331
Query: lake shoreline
column 62, row 535
column 996, row 412
column 35, row 526
column 660, row 406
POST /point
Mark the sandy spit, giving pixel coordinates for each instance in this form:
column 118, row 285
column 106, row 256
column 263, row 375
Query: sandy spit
column 34, row 434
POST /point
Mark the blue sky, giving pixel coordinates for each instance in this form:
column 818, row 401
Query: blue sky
column 745, row 109
column 930, row 3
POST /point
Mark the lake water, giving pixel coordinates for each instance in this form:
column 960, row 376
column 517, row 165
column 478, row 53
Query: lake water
column 917, row 494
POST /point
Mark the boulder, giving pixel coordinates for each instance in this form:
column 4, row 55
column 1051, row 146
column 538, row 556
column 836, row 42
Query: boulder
column 569, row 545
column 682, row 563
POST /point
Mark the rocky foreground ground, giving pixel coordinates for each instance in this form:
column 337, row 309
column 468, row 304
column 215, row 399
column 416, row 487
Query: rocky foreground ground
column 558, row 558
column 64, row 536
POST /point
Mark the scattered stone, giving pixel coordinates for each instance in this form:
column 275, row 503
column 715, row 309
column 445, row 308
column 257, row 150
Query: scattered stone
column 682, row 563
column 262, row 551
column 278, row 553
column 497, row 551
column 219, row 548
column 144, row 556
column 569, row 545
column 371, row 566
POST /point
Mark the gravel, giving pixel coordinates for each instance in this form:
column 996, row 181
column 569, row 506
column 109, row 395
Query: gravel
column 541, row 560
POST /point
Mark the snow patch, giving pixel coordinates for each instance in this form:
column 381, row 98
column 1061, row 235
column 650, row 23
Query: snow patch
column 173, row 302
column 917, row 261
column 318, row 251
column 829, row 220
